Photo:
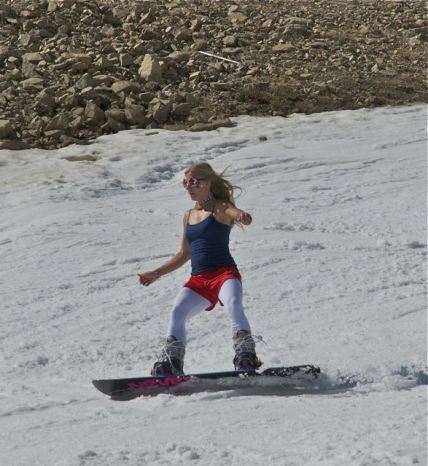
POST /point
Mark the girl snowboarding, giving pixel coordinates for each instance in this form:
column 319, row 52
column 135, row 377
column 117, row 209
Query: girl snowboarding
column 214, row 276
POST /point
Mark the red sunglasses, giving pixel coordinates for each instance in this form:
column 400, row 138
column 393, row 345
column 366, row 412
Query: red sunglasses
column 193, row 183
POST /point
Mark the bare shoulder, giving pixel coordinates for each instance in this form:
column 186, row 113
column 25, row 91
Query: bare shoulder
column 186, row 216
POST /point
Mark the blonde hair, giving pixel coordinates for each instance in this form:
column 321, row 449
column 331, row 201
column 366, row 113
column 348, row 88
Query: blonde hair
column 221, row 188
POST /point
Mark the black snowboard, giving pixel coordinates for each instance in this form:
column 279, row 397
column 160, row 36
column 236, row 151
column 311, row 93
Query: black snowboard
column 127, row 389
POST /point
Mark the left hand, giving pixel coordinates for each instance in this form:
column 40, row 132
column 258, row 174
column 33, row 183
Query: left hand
column 244, row 218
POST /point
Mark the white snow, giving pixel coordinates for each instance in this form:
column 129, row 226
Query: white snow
column 334, row 269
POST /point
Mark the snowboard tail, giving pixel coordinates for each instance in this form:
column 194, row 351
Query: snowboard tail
column 130, row 388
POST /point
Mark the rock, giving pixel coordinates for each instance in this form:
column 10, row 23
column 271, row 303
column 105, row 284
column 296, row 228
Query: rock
column 68, row 101
column 52, row 6
column 138, row 48
column 33, row 57
column 125, row 86
column 6, row 129
column 9, row 144
column 33, row 83
column 195, row 24
column 253, row 71
column 150, row 69
column 200, row 44
column 282, row 48
column 136, row 115
column 108, row 30
column 116, row 125
column 81, row 158
column 296, row 30
column 89, row 93
column 230, row 41
column 148, row 18
column 297, row 27
column 6, row 51
column 56, row 56
column 103, row 80
column 147, row 33
column 58, row 122
column 29, row 64
column 225, row 122
column 126, row 59
column 54, row 133
column 103, row 62
column 221, row 86
column 184, row 35
column 76, row 124
column 116, row 114
column 147, row 97
column 93, row 115
column 121, row 12
column 85, row 81
column 238, row 17
column 161, row 112
column 79, row 61
column 268, row 23
column 179, row 57
column 45, row 106
column 181, row 110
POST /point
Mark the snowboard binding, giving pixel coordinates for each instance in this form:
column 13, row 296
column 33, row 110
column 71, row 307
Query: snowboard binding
column 245, row 352
column 171, row 359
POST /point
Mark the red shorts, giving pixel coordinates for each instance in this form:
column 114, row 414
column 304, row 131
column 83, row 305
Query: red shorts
column 208, row 284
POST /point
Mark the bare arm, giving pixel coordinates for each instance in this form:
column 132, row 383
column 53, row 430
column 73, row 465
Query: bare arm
column 182, row 256
column 238, row 215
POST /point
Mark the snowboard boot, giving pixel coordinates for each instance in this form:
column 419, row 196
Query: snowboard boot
column 171, row 359
column 245, row 352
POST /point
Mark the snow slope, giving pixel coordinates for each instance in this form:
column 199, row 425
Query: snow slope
column 334, row 269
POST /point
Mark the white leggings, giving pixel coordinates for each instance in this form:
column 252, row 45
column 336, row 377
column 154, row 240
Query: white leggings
column 189, row 303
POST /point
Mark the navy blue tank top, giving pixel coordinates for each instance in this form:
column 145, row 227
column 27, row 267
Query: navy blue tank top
column 209, row 245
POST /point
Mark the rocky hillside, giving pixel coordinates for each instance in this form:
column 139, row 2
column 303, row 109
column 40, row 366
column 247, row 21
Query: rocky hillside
column 71, row 70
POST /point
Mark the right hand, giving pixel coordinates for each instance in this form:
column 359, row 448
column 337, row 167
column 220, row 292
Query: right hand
column 148, row 278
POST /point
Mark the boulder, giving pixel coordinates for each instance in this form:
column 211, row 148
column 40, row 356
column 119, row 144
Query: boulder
column 150, row 69
column 212, row 125
column 32, row 57
column 12, row 144
column 126, row 59
column 58, row 122
column 6, row 129
column 93, row 115
column 161, row 112
column 33, row 83
column 136, row 115
column 181, row 110
column 179, row 57
column 125, row 87
column 85, row 81
column 45, row 103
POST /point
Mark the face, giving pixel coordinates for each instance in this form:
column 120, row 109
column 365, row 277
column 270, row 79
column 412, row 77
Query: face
column 197, row 188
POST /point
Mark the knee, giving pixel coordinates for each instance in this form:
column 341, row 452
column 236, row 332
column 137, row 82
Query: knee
column 178, row 313
column 234, row 303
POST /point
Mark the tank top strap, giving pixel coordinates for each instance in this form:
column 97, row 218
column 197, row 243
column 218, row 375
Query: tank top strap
column 186, row 217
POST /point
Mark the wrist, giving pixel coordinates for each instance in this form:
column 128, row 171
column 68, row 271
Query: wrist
column 157, row 273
